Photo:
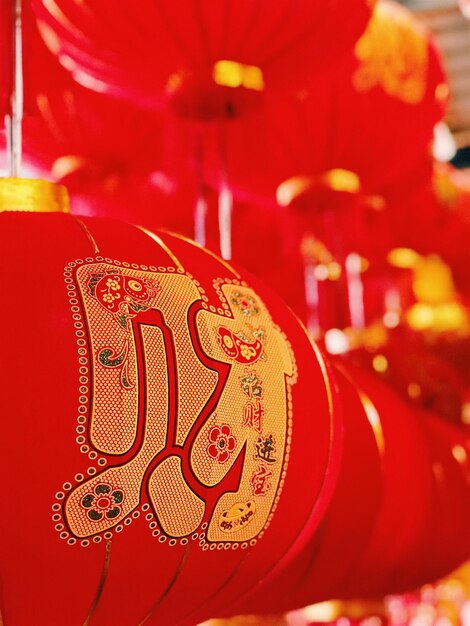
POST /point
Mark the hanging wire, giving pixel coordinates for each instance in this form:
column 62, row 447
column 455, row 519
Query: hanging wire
column 355, row 290
column 200, row 209
column 312, row 299
column 311, row 286
column 14, row 120
column 225, row 200
column 225, row 221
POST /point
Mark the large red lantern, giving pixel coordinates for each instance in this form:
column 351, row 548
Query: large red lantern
column 345, row 531
column 209, row 57
column 169, row 432
column 175, row 443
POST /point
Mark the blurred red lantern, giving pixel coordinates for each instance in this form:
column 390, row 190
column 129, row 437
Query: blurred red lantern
column 399, row 555
column 84, row 138
column 448, row 520
column 406, row 495
column 424, row 378
column 215, row 64
column 446, row 200
column 429, row 214
column 99, row 146
column 34, row 77
column 219, row 57
column 154, row 414
column 77, row 135
column 371, row 114
column 108, row 152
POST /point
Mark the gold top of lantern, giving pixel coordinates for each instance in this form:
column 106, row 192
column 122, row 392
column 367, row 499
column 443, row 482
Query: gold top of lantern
column 38, row 196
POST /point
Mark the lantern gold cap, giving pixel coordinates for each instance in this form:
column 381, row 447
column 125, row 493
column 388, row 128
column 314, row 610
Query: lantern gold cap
column 38, row 196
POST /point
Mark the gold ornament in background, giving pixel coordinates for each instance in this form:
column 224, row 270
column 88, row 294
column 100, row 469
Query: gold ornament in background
column 234, row 74
column 333, row 610
column 449, row 184
column 337, row 179
column 315, row 253
column 249, row 620
column 393, row 55
column 437, row 308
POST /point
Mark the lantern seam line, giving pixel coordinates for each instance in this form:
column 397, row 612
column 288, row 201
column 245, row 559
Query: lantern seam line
column 88, row 234
column 101, row 584
column 170, row 586
column 209, row 252
column 162, row 245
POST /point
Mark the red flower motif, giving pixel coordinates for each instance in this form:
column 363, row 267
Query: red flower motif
column 222, row 443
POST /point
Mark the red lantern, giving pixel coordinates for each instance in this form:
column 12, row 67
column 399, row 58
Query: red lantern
column 372, row 114
column 424, row 379
column 210, row 57
column 441, row 205
column 153, row 418
column 401, row 555
column 448, row 519
column 85, row 138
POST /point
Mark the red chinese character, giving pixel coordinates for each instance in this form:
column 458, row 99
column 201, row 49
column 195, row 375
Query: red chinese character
column 253, row 415
column 259, row 481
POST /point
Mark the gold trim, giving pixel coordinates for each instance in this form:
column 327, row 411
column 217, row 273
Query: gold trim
column 88, row 234
column 38, row 196
column 371, row 412
column 101, row 584
column 169, row 587
column 373, row 418
column 226, row 582
column 328, row 387
column 322, row 364
column 162, row 245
